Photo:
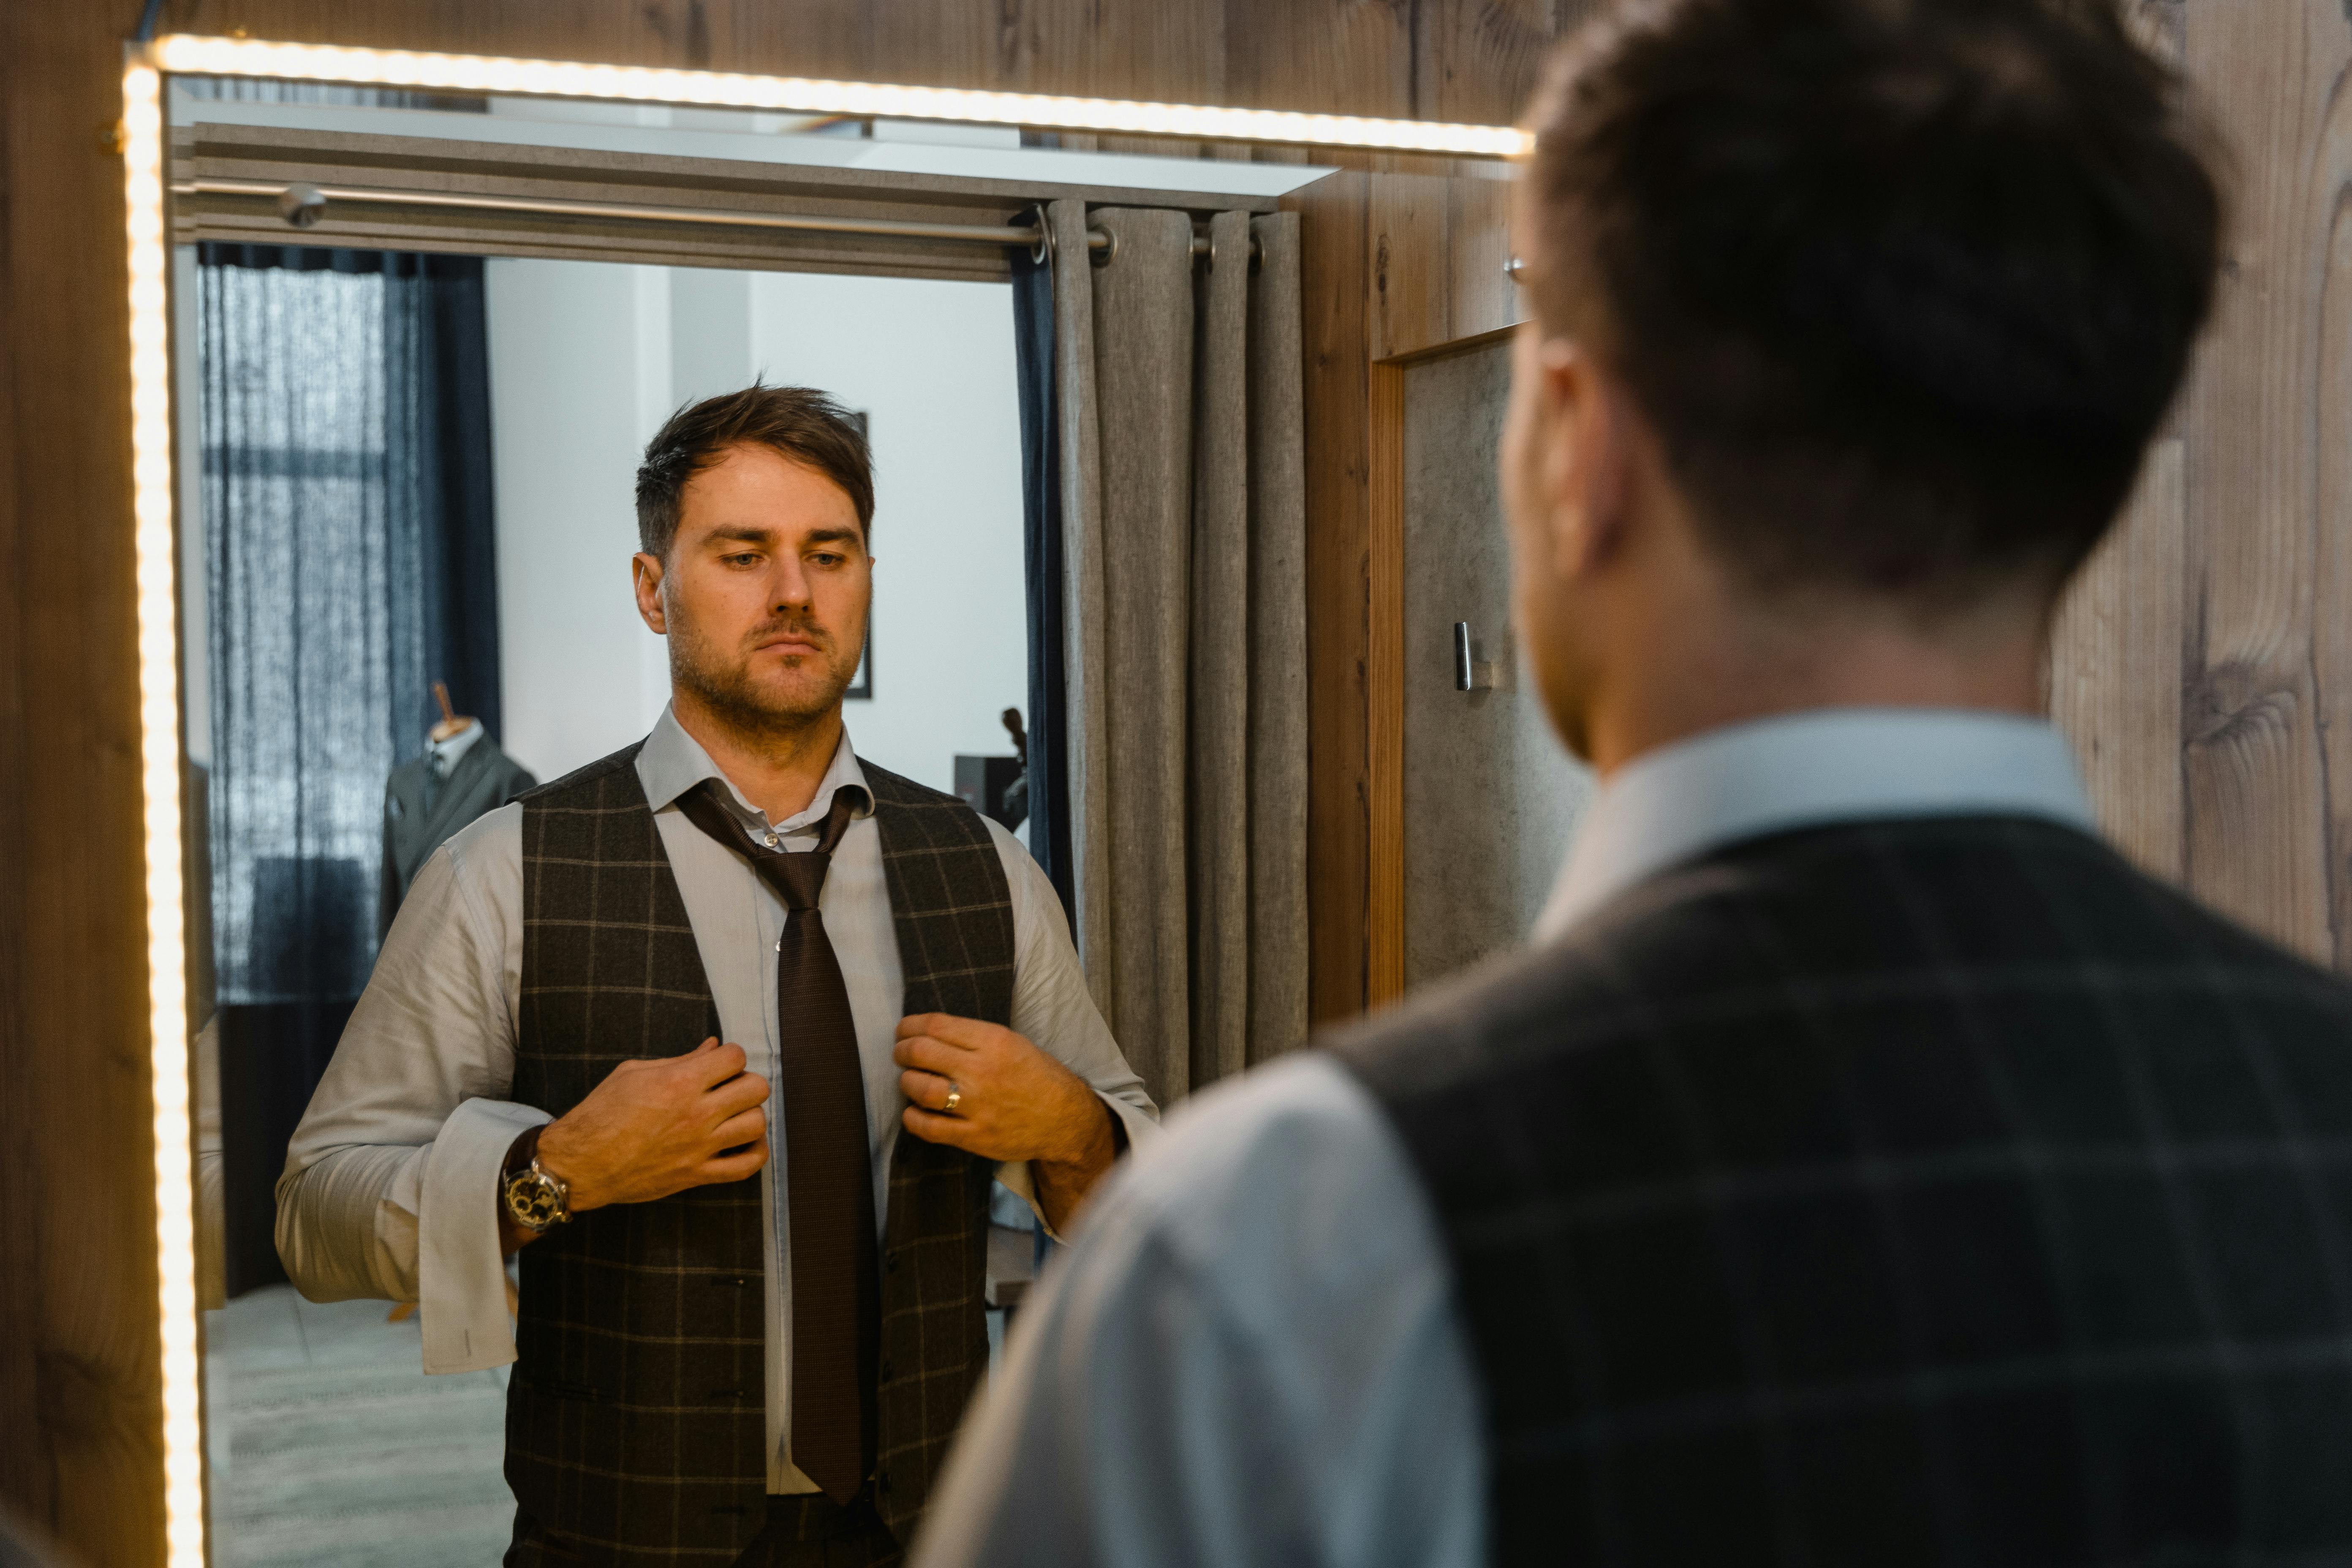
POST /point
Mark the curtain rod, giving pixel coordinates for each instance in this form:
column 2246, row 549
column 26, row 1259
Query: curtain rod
column 304, row 204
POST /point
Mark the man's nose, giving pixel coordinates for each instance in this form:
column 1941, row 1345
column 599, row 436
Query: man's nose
column 790, row 588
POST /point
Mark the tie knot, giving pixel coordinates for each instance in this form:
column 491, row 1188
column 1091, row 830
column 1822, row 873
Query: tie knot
column 797, row 878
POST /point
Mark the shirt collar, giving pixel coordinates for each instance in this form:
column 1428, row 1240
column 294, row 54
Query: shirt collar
column 672, row 761
column 448, row 753
column 1809, row 770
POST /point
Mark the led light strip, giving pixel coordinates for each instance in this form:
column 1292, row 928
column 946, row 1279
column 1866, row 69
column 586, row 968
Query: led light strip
column 159, row 757
column 189, row 53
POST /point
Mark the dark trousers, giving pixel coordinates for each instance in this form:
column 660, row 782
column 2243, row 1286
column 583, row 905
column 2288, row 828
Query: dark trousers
column 810, row 1531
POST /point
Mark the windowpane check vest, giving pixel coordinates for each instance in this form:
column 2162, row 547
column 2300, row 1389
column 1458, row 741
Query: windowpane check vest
column 636, row 1412
column 1940, row 1193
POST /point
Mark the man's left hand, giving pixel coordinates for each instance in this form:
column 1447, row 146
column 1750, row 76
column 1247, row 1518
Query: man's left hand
column 1013, row 1102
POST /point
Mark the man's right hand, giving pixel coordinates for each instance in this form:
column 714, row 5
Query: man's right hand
column 655, row 1128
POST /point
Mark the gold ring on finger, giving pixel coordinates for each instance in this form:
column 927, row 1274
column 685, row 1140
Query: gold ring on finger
column 955, row 1098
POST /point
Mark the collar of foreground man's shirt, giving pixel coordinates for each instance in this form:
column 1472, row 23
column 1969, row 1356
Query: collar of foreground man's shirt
column 1807, row 770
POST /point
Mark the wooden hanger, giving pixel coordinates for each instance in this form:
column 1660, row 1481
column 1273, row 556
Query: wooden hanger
column 453, row 724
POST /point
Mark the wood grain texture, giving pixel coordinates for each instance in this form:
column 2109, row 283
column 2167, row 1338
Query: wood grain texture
column 83, row 1457
column 1476, row 60
column 1384, row 941
column 2330, row 199
column 2115, row 654
column 1406, row 236
column 1481, row 296
column 1334, row 223
column 1327, row 57
column 2256, row 794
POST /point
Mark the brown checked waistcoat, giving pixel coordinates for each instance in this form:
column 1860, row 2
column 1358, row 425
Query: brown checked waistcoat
column 636, row 1416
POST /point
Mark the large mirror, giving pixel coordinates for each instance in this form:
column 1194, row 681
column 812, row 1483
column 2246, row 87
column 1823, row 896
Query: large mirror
column 420, row 342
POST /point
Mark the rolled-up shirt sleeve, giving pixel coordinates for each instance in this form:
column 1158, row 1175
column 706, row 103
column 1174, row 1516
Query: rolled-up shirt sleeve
column 1055, row 1011
column 390, row 1182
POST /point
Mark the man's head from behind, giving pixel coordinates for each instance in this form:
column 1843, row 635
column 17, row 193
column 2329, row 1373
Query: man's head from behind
column 755, row 511
column 1862, row 310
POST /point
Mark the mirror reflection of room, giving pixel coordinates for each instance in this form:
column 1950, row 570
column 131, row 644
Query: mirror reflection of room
column 441, row 503
column 415, row 480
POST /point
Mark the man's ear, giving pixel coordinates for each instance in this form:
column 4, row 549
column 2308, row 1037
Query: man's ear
column 1587, row 466
column 646, row 573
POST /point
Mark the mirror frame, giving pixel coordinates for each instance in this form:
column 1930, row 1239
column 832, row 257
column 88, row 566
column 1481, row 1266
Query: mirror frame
column 146, row 68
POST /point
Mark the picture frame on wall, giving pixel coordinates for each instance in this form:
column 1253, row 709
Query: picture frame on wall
column 861, row 684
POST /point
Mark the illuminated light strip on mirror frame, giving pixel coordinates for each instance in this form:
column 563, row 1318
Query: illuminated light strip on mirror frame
column 190, row 54
column 158, row 760
column 153, row 495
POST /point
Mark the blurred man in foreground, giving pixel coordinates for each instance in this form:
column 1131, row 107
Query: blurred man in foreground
column 1865, row 1165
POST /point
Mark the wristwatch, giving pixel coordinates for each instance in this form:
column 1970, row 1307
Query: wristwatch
column 535, row 1201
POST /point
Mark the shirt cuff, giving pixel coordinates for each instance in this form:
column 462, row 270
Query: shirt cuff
column 1136, row 1123
column 461, row 1274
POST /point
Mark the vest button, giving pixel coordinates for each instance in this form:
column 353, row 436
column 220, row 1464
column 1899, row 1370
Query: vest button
column 890, row 1264
column 889, row 1370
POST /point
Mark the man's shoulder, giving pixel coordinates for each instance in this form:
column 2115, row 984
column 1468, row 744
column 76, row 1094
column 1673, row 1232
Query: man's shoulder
column 591, row 784
column 486, row 855
column 1286, row 1180
column 1865, row 915
column 896, row 789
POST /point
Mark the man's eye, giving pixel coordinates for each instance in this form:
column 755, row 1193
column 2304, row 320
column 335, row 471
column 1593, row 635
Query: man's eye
column 744, row 560
column 824, row 559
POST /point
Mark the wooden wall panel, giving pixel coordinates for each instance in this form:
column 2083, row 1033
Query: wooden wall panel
column 1334, row 56
column 2116, row 657
column 2257, row 795
column 1333, row 283
column 2332, row 506
column 1475, row 59
column 83, row 1457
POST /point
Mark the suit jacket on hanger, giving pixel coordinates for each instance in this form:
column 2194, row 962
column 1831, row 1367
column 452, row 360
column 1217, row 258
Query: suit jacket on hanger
column 420, row 814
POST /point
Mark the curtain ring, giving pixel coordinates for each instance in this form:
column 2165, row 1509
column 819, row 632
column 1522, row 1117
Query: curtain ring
column 1043, row 251
column 1101, row 255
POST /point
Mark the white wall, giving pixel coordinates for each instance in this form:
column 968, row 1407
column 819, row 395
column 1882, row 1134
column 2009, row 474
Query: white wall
column 588, row 358
column 572, row 351
column 932, row 364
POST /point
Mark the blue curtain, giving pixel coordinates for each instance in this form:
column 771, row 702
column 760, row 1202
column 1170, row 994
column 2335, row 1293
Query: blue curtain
column 1041, row 492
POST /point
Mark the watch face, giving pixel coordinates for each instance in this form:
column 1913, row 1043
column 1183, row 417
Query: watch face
column 533, row 1200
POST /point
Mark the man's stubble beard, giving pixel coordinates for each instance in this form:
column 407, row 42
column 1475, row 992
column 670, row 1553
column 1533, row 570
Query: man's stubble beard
column 724, row 686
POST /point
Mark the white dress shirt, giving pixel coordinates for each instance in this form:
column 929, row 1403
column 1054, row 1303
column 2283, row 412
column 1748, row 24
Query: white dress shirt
column 1254, row 1354
column 391, row 1179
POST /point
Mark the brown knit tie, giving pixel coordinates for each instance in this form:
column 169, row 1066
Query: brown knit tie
column 828, row 1164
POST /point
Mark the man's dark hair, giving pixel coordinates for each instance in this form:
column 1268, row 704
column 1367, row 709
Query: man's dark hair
column 1904, row 285
column 793, row 422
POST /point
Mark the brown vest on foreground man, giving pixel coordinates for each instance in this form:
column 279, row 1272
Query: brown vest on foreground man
column 1865, row 1165
column 719, row 1358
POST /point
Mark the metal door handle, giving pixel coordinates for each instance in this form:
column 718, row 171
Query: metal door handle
column 1472, row 673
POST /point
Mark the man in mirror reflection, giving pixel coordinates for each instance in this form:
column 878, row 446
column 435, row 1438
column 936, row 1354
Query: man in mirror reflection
column 728, row 1034
column 1865, row 1163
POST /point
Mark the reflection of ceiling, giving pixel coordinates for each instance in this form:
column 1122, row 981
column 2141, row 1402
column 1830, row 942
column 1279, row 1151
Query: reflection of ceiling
column 974, row 153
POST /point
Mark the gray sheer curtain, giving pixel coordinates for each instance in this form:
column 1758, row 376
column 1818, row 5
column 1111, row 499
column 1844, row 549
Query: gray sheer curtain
column 1183, row 508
